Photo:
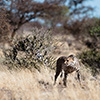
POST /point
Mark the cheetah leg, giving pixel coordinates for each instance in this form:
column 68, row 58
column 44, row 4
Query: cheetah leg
column 78, row 76
column 65, row 77
column 56, row 75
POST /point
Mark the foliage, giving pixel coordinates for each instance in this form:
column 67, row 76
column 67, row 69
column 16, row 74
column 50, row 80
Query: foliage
column 23, row 11
column 81, row 27
column 31, row 51
column 86, row 30
column 51, row 12
column 95, row 34
column 95, row 31
column 91, row 59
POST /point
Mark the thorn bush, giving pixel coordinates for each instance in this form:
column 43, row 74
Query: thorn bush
column 30, row 51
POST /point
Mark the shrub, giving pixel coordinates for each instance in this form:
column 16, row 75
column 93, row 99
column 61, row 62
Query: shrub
column 31, row 51
column 91, row 59
column 90, row 32
column 95, row 31
column 95, row 34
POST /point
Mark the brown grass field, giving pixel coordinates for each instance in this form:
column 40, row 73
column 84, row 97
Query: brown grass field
column 26, row 85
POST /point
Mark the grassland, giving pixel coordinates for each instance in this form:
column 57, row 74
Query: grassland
column 26, row 85
column 23, row 84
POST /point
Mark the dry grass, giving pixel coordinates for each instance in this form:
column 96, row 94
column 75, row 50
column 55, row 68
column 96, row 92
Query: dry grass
column 27, row 85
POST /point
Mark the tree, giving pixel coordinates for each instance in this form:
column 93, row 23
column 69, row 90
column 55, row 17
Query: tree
column 23, row 11
column 53, row 11
column 78, row 14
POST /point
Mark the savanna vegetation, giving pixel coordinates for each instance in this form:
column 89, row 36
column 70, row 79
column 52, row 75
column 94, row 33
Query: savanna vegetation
column 33, row 34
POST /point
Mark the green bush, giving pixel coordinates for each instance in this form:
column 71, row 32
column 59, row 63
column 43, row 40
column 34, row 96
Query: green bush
column 95, row 31
column 95, row 35
column 31, row 51
column 91, row 59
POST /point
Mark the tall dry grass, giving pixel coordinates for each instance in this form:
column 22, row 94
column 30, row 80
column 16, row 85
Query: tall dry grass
column 26, row 85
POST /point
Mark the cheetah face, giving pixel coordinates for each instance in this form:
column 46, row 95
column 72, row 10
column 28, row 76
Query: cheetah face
column 69, row 61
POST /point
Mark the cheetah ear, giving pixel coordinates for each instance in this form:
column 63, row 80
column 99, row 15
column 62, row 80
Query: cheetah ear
column 73, row 58
column 65, row 61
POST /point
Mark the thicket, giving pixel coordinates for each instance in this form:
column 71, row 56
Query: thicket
column 31, row 51
column 91, row 58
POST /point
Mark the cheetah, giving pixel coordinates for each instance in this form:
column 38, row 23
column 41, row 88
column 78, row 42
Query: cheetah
column 68, row 65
